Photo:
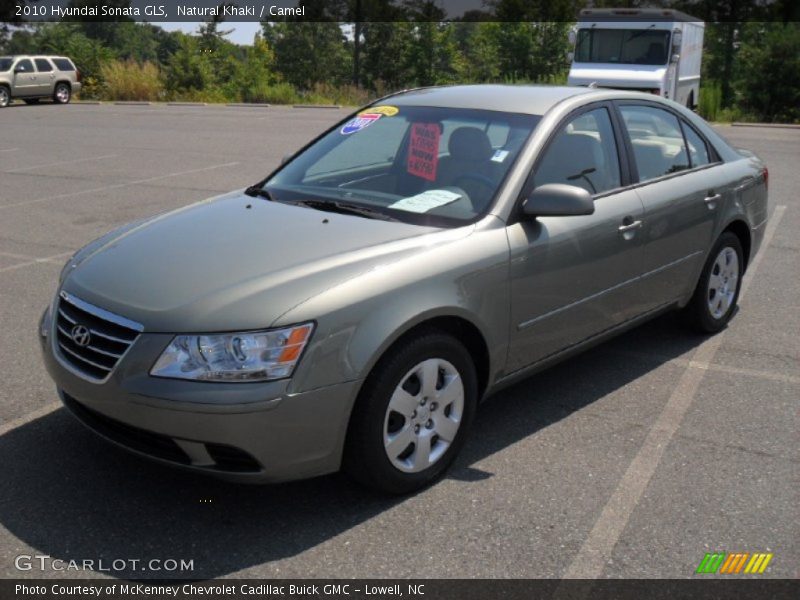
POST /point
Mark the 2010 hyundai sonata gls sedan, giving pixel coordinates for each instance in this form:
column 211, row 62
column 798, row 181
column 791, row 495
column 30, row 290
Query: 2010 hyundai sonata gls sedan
column 353, row 308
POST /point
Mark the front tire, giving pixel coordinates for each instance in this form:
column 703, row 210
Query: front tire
column 5, row 96
column 412, row 415
column 714, row 301
column 62, row 93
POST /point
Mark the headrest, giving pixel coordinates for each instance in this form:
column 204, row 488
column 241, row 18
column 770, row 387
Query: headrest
column 470, row 144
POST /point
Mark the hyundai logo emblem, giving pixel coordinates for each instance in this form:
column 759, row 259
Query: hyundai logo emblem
column 80, row 335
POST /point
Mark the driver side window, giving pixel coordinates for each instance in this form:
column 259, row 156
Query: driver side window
column 583, row 153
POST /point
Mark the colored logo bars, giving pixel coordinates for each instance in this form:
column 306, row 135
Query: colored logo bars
column 734, row 563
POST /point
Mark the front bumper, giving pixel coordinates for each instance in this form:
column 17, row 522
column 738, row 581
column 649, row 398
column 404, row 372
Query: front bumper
column 251, row 432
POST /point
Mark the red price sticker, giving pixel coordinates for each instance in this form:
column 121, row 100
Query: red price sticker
column 423, row 151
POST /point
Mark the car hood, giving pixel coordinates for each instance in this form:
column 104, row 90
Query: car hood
column 235, row 262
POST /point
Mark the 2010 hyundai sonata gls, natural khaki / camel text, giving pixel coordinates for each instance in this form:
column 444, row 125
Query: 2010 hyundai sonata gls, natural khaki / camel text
column 352, row 309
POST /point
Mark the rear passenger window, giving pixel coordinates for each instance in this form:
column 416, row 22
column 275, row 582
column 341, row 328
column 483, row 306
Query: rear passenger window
column 63, row 64
column 658, row 145
column 583, row 154
column 698, row 150
column 43, row 65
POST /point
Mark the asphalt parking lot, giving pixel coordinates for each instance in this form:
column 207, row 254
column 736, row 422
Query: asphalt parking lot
column 631, row 460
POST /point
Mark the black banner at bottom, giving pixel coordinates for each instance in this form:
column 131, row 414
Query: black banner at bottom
column 383, row 589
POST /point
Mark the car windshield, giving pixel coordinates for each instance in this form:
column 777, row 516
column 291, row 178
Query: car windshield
column 5, row 63
column 425, row 165
column 624, row 46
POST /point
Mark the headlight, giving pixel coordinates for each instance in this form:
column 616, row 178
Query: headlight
column 247, row 356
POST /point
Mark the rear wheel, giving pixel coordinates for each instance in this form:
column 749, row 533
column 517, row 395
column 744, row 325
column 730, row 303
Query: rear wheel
column 412, row 415
column 62, row 94
column 5, row 96
column 714, row 301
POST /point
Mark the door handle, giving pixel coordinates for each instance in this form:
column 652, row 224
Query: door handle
column 629, row 226
column 711, row 200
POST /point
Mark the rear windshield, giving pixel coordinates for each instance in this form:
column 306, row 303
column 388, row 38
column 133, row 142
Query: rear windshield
column 424, row 165
column 5, row 63
column 624, row 46
column 63, row 64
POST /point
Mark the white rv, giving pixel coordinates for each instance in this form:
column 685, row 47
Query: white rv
column 650, row 50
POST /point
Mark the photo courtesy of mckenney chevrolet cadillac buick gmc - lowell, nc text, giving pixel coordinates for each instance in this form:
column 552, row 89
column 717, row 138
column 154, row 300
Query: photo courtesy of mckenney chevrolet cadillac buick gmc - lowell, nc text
column 351, row 309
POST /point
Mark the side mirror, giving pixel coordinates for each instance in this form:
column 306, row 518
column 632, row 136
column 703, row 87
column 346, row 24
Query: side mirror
column 558, row 200
column 572, row 36
column 675, row 57
column 677, row 39
column 570, row 57
column 19, row 70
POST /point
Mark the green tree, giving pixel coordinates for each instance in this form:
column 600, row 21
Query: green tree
column 768, row 75
column 188, row 70
column 307, row 53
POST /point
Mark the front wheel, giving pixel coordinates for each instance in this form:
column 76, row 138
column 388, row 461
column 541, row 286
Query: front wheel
column 412, row 415
column 5, row 96
column 62, row 94
column 714, row 301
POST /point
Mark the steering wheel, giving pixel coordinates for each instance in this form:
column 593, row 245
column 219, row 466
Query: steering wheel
column 482, row 179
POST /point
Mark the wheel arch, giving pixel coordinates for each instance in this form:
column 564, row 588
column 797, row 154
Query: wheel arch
column 742, row 231
column 459, row 327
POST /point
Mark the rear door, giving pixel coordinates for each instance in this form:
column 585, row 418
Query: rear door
column 574, row 277
column 682, row 185
column 46, row 77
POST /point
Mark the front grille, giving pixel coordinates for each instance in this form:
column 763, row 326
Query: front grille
column 90, row 339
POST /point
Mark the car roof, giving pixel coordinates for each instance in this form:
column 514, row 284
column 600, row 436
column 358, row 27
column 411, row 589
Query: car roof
column 525, row 99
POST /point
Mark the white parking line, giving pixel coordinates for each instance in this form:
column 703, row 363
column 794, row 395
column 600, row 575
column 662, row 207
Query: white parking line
column 117, row 186
column 35, row 261
column 596, row 550
column 9, row 150
column 62, row 162
column 31, row 416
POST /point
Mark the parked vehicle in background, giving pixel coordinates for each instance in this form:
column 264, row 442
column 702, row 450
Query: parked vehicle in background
column 647, row 50
column 31, row 78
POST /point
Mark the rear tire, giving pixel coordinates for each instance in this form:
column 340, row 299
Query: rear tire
column 714, row 301
column 5, row 96
column 412, row 415
column 62, row 93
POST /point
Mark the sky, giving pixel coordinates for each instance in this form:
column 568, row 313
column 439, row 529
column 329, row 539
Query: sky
column 242, row 33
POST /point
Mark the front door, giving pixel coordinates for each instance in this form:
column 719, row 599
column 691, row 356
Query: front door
column 574, row 277
column 25, row 80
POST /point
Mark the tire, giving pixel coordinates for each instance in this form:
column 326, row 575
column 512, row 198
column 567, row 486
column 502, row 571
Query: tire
column 32, row 101
column 397, row 441
column 62, row 94
column 5, row 96
column 714, row 301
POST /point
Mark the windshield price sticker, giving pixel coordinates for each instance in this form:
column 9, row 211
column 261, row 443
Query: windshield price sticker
column 428, row 200
column 360, row 122
column 423, row 150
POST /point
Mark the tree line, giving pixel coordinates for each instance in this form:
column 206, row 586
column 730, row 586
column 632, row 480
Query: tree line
column 348, row 51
